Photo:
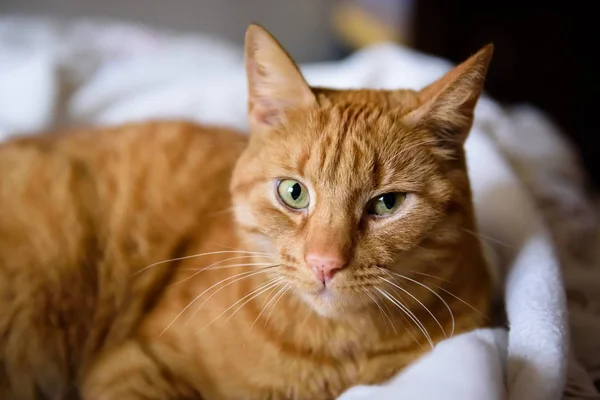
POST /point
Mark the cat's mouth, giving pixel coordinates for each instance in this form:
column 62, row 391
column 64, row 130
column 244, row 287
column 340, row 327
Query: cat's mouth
column 331, row 300
column 325, row 292
column 325, row 289
column 324, row 302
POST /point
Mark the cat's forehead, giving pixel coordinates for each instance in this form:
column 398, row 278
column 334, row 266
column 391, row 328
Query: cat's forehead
column 371, row 120
column 355, row 139
column 368, row 116
column 396, row 101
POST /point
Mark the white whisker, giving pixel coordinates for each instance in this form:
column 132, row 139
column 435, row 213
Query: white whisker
column 435, row 294
column 481, row 236
column 194, row 256
column 286, row 288
column 430, row 276
column 422, row 305
column 461, row 300
column 212, row 267
column 225, row 267
column 409, row 327
column 374, row 299
column 243, row 275
column 283, row 288
column 274, row 283
column 405, row 309
column 250, row 296
column 238, row 265
column 250, row 274
column 253, row 252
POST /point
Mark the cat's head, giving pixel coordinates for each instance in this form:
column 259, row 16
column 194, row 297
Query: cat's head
column 346, row 187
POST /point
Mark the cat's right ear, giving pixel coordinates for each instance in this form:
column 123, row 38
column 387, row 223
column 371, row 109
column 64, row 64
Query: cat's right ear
column 448, row 104
column 275, row 84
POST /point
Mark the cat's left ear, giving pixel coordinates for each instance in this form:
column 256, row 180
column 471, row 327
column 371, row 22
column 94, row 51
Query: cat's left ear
column 275, row 84
column 447, row 105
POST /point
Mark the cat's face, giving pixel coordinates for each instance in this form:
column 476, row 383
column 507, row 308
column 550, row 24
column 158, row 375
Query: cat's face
column 345, row 188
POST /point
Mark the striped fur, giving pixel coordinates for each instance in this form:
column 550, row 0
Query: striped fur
column 86, row 312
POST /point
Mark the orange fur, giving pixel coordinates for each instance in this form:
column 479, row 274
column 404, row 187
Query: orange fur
column 84, row 216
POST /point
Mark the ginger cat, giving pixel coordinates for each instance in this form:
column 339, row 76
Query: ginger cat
column 331, row 248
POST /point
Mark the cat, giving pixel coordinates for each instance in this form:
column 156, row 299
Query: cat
column 331, row 247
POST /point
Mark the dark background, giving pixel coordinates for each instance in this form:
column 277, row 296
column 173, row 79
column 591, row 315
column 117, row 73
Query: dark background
column 544, row 55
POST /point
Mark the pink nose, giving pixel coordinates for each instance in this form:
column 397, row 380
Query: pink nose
column 324, row 266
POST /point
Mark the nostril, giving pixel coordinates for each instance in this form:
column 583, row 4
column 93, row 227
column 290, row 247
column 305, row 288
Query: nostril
column 328, row 273
column 319, row 273
column 324, row 267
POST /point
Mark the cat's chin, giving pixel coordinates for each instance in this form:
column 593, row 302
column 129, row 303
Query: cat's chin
column 330, row 304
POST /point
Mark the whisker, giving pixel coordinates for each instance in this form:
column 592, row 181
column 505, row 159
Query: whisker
column 193, row 256
column 405, row 309
column 430, row 276
column 253, row 294
column 422, row 305
column 236, row 249
column 268, row 304
column 384, row 303
column 227, row 267
column 212, row 267
column 250, row 274
column 407, row 313
column 480, row 236
column 461, row 300
column 268, row 299
column 287, row 287
column 374, row 299
column 243, row 275
column 435, row 294
column 409, row 328
column 273, row 284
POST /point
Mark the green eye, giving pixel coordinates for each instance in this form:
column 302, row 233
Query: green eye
column 386, row 204
column 293, row 194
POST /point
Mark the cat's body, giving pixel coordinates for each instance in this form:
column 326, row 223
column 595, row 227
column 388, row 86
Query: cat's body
column 86, row 311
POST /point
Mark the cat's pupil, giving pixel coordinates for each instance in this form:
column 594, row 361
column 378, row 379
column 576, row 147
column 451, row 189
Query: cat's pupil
column 389, row 199
column 295, row 191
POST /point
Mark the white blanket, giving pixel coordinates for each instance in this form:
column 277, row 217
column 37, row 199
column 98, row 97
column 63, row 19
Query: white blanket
column 53, row 75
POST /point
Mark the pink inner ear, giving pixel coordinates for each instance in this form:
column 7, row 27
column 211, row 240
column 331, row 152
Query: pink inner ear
column 266, row 115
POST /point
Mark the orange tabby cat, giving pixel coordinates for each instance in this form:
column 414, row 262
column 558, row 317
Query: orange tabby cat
column 329, row 250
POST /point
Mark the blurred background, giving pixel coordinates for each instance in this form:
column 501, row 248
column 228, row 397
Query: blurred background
column 544, row 55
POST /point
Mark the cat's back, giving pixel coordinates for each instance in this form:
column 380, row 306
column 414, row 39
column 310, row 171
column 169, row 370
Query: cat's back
column 80, row 212
column 135, row 163
column 133, row 184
